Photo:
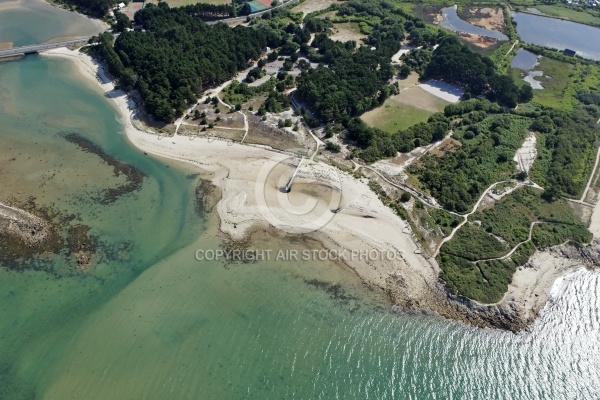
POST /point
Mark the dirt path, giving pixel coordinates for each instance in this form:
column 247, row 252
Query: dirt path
column 511, row 48
column 428, row 201
column 466, row 216
column 592, row 175
column 510, row 253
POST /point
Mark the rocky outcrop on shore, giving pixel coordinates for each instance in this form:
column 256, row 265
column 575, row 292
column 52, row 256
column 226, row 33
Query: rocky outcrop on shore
column 588, row 255
column 29, row 228
column 519, row 308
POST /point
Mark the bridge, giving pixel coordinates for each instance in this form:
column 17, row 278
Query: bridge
column 19, row 51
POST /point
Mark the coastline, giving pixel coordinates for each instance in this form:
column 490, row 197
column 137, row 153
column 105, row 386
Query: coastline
column 365, row 225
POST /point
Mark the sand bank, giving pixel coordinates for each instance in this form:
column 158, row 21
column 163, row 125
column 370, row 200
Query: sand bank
column 375, row 242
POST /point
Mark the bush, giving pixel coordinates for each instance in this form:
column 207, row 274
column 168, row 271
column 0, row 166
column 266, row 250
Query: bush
column 406, row 196
column 335, row 148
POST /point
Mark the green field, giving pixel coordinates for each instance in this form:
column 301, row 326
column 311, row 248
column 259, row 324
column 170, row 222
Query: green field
column 394, row 116
column 410, row 107
column 555, row 81
column 591, row 17
column 561, row 82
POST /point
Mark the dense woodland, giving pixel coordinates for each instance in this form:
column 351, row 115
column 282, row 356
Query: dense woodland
column 178, row 56
column 455, row 63
column 354, row 80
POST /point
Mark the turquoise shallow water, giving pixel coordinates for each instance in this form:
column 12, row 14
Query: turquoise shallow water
column 35, row 21
column 148, row 321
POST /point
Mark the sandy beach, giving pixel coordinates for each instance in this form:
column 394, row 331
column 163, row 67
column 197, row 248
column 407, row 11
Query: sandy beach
column 251, row 178
column 7, row 5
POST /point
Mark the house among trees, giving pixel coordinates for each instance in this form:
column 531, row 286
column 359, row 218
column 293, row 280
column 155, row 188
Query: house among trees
column 569, row 52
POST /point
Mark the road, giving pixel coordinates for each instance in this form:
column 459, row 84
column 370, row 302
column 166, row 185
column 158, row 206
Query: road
column 15, row 51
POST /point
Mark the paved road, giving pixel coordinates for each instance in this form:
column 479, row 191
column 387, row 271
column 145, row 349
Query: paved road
column 15, row 51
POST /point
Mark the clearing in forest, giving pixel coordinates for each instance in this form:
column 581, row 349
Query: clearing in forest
column 347, row 31
column 411, row 106
column 309, row 6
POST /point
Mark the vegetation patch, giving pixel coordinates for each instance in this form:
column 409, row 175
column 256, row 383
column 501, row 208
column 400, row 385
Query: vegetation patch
column 457, row 179
column 472, row 262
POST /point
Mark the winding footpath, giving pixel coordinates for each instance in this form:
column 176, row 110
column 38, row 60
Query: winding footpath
column 592, row 175
column 511, row 252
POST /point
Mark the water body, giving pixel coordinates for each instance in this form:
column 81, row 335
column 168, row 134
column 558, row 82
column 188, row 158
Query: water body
column 20, row 23
column 452, row 22
column 559, row 34
column 524, row 60
column 149, row 321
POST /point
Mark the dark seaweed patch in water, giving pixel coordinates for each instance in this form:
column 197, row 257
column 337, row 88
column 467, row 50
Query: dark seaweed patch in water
column 207, row 196
column 81, row 245
column 134, row 177
column 335, row 290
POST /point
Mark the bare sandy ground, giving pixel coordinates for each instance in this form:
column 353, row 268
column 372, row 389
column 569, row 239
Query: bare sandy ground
column 526, row 154
column 595, row 223
column 443, row 90
column 365, row 234
column 404, row 49
column 495, row 20
column 346, row 31
column 6, row 45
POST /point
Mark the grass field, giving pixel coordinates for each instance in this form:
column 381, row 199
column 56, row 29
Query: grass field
column 411, row 106
column 591, row 17
column 562, row 81
column 555, row 81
